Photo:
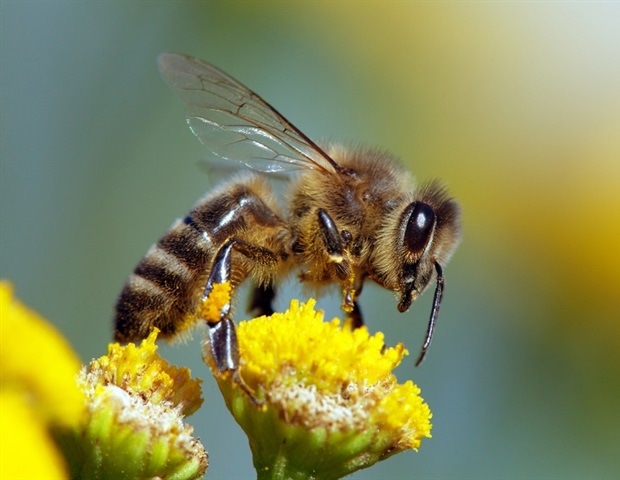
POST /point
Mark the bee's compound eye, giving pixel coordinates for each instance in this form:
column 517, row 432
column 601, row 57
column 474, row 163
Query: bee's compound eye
column 419, row 227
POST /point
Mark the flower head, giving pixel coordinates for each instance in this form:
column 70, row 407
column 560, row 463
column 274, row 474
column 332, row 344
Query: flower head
column 326, row 401
column 137, row 402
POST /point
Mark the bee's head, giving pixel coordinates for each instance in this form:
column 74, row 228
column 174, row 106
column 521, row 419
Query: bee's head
column 418, row 225
column 427, row 232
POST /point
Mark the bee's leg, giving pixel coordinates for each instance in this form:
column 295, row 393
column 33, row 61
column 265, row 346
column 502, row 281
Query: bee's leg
column 261, row 300
column 351, row 302
column 356, row 317
column 332, row 239
column 335, row 242
column 236, row 222
column 222, row 334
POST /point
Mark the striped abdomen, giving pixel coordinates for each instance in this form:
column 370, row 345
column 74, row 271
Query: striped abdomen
column 165, row 288
column 166, row 285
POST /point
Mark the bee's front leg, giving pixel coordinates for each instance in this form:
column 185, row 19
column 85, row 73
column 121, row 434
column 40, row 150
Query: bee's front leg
column 336, row 244
column 351, row 304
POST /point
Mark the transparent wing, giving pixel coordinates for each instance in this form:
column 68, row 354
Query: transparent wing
column 235, row 123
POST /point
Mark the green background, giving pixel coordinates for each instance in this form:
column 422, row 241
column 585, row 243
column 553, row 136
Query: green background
column 516, row 106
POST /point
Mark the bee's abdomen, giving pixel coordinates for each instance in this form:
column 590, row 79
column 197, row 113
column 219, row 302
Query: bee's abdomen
column 163, row 289
column 166, row 287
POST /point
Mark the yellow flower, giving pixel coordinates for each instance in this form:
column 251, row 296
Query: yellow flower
column 27, row 450
column 38, row 391
column 139, row 370
column 137, row 403
column 120, row 418
column 326, row 401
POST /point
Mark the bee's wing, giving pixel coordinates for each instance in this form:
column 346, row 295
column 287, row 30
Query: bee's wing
column 235, row 123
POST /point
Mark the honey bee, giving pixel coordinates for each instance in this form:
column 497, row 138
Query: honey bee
column 353, row 215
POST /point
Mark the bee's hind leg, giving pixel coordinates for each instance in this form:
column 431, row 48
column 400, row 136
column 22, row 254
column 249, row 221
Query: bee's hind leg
column 222, row 333
column 261, row 300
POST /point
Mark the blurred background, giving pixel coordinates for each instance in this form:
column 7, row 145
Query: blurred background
column 516, row 106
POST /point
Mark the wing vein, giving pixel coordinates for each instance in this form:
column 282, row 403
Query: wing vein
column 234, row 123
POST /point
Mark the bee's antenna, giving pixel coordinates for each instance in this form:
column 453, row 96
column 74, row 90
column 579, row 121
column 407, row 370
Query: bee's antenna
column 434, row 314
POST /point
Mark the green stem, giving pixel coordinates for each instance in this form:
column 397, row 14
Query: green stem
column 280, row 468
